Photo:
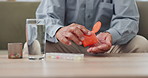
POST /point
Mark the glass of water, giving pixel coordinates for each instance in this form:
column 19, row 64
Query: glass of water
column 36, row 38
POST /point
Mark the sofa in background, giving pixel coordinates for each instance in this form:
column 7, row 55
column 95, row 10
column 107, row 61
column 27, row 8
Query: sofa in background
column 13, row 16
column 143, row 24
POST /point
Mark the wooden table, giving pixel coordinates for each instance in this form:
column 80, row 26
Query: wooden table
column 101, row 66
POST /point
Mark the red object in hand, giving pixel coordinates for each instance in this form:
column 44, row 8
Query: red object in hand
column 92, row 39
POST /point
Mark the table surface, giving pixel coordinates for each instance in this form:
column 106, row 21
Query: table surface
column 100, row 66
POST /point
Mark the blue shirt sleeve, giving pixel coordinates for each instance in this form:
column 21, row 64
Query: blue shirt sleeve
column 53, row 13
column 124, row 23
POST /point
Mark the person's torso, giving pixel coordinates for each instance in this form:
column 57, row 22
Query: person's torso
column 88, row 12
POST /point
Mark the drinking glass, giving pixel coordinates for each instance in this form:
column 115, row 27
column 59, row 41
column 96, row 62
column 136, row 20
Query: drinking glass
column 36, row 38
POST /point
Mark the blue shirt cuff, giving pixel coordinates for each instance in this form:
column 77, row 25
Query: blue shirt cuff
column 115, row 35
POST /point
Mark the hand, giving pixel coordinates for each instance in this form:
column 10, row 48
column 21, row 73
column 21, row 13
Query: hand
column 105, row 43
column 74, row 32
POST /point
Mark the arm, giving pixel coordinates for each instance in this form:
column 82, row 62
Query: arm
column 124, row 23
column 53, row 11
column 124, row 26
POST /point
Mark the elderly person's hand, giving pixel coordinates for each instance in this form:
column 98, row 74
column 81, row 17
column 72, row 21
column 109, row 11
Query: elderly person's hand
column 73, row 32
column 105, row 43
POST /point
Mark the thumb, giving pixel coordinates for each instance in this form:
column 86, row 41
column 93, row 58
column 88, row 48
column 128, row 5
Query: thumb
column 109, row 40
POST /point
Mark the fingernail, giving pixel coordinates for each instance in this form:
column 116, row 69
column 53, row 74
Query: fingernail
column 88, row 50
column 89, row 33
column 99, row 46
column 82, row 38
column 69, row 43
column 80, row 43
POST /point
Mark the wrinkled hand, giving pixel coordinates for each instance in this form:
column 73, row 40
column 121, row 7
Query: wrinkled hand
column 105, row 43
column 73, row 32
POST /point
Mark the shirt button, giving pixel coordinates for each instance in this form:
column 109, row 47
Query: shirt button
column 88, row 16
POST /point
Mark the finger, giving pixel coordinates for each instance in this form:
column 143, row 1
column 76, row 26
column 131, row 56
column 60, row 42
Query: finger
column 109, row 40
column 64, row 40
column 74, row 38
column 98, row 49
column 77, row 32
column 94, row 50
column 102, row 36
column 84, row 30
column 104, row 47
column 90, row 50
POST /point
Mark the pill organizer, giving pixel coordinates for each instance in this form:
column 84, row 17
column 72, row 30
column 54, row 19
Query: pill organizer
column 68, row 56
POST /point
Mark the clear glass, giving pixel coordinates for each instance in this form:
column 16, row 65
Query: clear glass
column 36, row 38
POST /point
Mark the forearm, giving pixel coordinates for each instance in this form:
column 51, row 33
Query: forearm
column 124, row 34
column 49, row 10
column 124, row 23
column 51, row 28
